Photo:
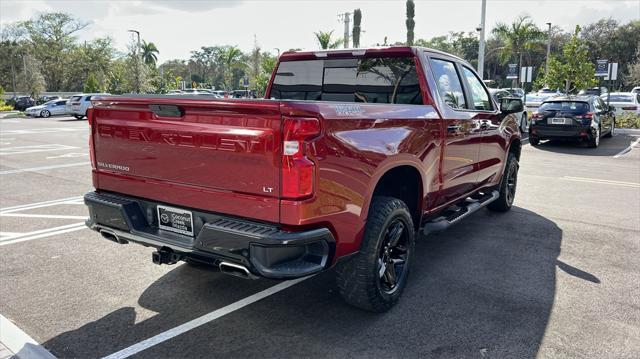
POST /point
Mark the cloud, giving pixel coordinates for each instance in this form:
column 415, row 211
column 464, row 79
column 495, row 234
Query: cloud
column 196, row 5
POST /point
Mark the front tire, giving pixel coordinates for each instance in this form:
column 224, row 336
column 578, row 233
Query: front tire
column 507, row 188
column 78, row 117
column 374, row 279
column 45, row 113
column 534, row 141
column 594, row 139
column 613, row 127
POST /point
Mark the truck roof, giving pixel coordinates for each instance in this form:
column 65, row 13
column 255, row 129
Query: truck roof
column 381, row 50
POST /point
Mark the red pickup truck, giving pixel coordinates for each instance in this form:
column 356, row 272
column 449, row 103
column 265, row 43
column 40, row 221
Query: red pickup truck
column 349, row 157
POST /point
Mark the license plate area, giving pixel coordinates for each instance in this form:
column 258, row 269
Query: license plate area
column 559, row 121
column 175, row 220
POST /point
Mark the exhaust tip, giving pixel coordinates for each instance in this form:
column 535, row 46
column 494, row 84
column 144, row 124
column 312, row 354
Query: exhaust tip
column 236, row 270
column 112, row 237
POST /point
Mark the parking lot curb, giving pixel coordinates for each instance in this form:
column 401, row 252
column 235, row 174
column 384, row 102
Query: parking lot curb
column 628, row 131
column 20, row 343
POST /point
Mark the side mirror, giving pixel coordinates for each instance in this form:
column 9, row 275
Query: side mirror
column 511, row 105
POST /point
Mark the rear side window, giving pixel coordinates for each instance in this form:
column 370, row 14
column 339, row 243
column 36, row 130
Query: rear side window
column 88, row 98
column 567, row 106
column 75, row 98
column 366, row 80
column 449, row 84
column 621, row 98
column 61, row 103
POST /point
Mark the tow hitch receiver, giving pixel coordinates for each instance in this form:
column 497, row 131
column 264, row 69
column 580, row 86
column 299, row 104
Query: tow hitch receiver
column 165, row 257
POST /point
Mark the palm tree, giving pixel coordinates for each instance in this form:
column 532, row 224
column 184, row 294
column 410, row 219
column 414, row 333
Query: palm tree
column 231, row 58
column 519, row 37
column 149, row 51
column 324, row 40
column 411, row 24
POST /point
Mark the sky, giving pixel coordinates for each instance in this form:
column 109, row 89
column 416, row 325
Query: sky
column 178, row 27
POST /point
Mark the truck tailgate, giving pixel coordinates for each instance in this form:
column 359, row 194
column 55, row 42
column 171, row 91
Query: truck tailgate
column 222, row 156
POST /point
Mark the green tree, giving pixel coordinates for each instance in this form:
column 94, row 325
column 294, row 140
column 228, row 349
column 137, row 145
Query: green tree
column 31, row 79
column 91, row 85
column 267, row 66
column 51, row 38
column 518, row 37
column 357, row 19
column 411, row 24
column 574, row 70
column 231, row 61
column 325, row 42
column 149, row 53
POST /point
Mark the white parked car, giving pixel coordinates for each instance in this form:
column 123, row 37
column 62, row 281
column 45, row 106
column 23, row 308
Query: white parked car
column 47, row 109
column 636, row 89
column 80, row 103
column 498, row 94
column 623, row 102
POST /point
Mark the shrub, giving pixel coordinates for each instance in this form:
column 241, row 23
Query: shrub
column 628, row 120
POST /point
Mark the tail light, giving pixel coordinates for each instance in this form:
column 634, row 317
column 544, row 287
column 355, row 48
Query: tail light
column 535, row 115
column 298, row 171
column 586, row 116
column 92, row 152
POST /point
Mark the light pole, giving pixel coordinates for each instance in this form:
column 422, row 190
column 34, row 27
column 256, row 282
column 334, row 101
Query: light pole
column 546, row 63
column 481, row 42
column 137, row 60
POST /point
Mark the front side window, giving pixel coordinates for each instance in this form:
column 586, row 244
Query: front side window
column 368, row 80
column 479, row 95
column 448, row 83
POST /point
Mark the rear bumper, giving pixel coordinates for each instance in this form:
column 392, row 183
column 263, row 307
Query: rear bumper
column 264, row 249
column 560, row 131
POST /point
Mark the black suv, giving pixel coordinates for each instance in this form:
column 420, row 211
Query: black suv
column 586, row 118
column 23, row 102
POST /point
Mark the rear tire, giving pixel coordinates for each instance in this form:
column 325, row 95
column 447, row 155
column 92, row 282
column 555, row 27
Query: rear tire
column 507, row 188
column 594, row 139
column 374, row 278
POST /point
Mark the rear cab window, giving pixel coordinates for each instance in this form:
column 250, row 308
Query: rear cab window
column 385, row 80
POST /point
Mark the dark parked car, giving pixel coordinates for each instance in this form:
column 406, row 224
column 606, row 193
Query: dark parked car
column 586, row 118
column 23, row 102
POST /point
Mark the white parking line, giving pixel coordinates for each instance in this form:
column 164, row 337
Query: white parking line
column 45, row 233
column 20, row 342
column 35, row 169
column 24, row 207
column 628, row 149
column 42, row 130
column 20, row 150
column 602, row 181
column 174, row 332
column 52, row 216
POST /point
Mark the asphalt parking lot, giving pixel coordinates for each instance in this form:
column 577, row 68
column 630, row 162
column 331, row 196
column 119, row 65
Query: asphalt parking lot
column 558, row 276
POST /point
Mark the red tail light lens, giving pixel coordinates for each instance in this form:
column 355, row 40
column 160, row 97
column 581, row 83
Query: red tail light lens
column 298, row 171
column 586, row 116
column 535, row 115
column 90, row 121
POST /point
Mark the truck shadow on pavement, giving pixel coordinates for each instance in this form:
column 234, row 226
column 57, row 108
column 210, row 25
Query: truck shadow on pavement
column 608, row 146
column 484, row 288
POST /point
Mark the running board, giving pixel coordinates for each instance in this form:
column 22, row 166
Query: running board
column 464, row 210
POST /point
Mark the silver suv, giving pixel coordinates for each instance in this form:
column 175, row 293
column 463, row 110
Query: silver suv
column 78, row 105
